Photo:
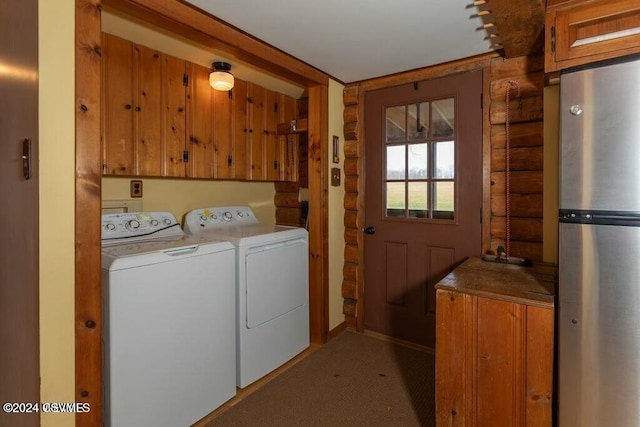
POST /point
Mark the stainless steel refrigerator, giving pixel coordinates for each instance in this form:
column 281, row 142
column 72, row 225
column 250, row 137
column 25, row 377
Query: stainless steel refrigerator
column 599, row 254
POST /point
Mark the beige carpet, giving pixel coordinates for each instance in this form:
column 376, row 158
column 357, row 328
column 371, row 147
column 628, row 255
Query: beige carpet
column 354, row 380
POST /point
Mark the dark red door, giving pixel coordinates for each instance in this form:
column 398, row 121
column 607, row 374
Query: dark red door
column 423, row 198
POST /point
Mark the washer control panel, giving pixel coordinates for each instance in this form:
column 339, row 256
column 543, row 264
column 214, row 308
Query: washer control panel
column 139, row 225
column 219, row 217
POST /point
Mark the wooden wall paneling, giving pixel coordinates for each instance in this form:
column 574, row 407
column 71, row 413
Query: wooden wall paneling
column 88, row 289
column 224, row 147
column 200, row 123
column 148, row 112
column 526, row 160
column 486, row 162
column 272, row 114
column 239, row 130
column 256, row 98
column 318, row 212
column 117, row 102
column 529, row 134
column 522, row 205
column 452, row 379
column 519, row 66
column 539, row 356
column 174, row 115
column 186, row 21
column 521, row 28
column 288, row 144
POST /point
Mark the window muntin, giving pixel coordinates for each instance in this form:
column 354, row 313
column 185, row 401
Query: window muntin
column 420, row 160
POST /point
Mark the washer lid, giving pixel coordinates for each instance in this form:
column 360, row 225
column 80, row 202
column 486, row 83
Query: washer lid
column 166, row 249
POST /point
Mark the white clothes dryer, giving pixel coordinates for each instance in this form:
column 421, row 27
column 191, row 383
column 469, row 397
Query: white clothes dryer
column 272, row 270
column 169, row 322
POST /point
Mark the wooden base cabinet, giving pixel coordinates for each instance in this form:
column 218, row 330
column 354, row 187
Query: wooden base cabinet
column 494, row 362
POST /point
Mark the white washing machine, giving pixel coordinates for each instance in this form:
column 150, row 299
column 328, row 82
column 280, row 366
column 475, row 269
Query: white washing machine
column 169, row 322
column 273, row 286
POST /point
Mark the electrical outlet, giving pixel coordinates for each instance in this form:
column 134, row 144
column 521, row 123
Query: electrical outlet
column 136, row 188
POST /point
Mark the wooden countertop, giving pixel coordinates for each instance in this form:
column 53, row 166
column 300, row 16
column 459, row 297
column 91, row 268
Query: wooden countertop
column 531, row 285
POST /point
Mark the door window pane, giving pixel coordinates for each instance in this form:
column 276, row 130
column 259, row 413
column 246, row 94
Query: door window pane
column 395, row 199
column 418, row 120
column 417, row 158
column 444, row 156
column 443, row 118
column 420, row 151
column 396, row 162
column 418, row 207
column 396, row 122
column 443, row 198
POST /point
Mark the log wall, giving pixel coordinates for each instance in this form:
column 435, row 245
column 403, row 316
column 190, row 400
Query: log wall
column 526, row 147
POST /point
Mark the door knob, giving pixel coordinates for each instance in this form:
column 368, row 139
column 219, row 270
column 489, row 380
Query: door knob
column 369, row 230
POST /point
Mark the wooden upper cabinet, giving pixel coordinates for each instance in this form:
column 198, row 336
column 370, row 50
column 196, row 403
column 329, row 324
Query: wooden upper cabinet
column 117, row 107
column 200, row 123
column 162, row 118
column 581, row 32
column 144, row 115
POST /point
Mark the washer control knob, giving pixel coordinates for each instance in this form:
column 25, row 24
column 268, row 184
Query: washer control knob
column 203, row 217
column 134, row 224
column 228, row 216
column 154, row 222
column 110, row 227
column 214, row 217
column 167, row 221
column 240, row 214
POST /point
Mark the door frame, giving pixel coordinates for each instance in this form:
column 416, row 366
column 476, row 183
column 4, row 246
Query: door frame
column 186, row 21
column 355, row 156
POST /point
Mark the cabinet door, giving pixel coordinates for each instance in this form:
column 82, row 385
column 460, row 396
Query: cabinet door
column 222, row 135
column 240, row 130
column 200, row 123
column 593, row 31
column 454, row 359
column 147, row 111
column 288, row 144
column 256, row 99
column 174, row 115
column 117, row 106
column 272, row 114
column 494, row 362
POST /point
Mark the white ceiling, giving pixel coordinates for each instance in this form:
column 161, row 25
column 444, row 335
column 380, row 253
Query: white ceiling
column 359, row 39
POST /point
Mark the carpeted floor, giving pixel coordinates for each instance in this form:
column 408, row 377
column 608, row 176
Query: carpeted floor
column 354, row 380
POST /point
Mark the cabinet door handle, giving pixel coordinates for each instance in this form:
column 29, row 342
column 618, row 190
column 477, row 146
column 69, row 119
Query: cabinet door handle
column 137, row 108
column 229, row 160
column 127, row 107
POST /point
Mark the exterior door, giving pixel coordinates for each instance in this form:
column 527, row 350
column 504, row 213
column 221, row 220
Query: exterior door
column 19, row 349
column 423, row 198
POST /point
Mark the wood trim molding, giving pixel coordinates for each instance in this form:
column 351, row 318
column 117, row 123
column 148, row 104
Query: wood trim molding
column 88, row 292
column 189, row 22
column 88, row 179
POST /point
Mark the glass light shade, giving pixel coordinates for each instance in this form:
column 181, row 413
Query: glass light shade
column 221, row 80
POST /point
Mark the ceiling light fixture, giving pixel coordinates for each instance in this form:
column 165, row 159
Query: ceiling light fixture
column 221, row 77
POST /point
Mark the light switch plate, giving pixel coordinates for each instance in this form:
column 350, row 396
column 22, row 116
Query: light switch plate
column 335, row 177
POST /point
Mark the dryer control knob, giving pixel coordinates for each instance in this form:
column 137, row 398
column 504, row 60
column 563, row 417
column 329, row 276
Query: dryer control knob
column 154, row 222
column 167, row 221
column 240, row 214
column 228, row 216
column 134, row 224
column 110, row 227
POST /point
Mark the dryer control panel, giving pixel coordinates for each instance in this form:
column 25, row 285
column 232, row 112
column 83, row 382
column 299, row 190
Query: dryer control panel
column 219, row 217
column 139, row 225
